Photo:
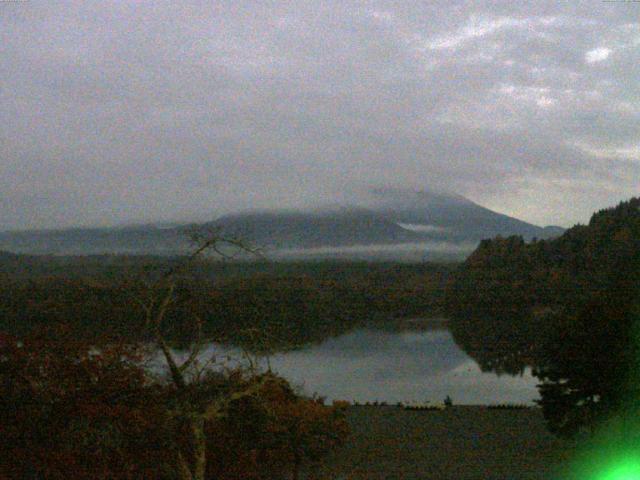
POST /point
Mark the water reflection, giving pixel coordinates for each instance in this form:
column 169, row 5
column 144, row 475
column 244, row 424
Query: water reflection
column 368, row 365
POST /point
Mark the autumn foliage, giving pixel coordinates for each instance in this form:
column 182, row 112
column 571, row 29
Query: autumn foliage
column 270, row 434
column 69, row 409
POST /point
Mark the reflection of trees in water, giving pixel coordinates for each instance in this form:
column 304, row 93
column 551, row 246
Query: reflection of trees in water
column 278, row 337
column 495, row 343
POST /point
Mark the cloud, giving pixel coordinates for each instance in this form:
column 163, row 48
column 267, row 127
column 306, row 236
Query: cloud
column 597, row 55
column 474, row 29
column 124, row 111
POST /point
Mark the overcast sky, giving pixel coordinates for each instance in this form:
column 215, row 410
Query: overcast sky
column 121, row 111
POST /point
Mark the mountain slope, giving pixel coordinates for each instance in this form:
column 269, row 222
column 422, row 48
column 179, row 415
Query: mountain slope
column 456, row 217
column 344, row 227
column 387, row 216
column 382, row 217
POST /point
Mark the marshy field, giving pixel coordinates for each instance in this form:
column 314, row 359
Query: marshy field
column 458, row 443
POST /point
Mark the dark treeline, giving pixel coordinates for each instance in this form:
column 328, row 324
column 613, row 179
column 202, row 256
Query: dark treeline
column 69, row 410
column 288, row 303
column 566, row 306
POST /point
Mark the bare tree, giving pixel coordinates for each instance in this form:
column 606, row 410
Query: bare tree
column 192, row 409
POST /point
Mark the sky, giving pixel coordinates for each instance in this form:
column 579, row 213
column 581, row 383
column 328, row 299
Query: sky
column 114, row 112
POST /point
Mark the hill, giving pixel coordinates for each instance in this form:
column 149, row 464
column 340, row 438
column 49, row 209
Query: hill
column 568, row 307
column 143, row 239
column 508, row 293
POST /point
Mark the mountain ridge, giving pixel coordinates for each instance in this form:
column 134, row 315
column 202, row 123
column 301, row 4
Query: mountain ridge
column 380, row 217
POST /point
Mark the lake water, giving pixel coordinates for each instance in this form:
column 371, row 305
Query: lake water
column 414, row 365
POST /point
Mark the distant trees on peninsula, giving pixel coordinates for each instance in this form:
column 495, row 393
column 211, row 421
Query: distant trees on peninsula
column 296, row 303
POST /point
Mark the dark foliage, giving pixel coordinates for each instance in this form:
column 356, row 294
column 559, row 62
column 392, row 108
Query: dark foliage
column 292, row 303
column 568, row 307
column 69, row 409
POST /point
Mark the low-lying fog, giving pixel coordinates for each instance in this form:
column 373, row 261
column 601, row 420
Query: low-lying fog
column 399, row 252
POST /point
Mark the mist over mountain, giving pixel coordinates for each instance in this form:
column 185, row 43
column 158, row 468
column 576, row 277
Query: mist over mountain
column 383, row 216
column 387, row 222
column 454, row 216
column 345, row 226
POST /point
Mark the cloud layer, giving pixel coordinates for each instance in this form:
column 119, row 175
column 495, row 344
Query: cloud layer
column 121, row 111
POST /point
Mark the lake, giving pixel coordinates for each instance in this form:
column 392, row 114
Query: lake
column 398, row 365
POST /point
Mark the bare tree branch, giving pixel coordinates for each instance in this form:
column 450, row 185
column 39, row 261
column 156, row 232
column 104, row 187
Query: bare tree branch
column 155, row 302
column 196, row 348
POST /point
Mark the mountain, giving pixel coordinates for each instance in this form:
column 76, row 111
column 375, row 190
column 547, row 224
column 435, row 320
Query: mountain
column 385, row 220
column 452, row 216
column 387, row 216
column 332, row 228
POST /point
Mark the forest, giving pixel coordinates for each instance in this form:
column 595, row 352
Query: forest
column 568, row 307
column 295, row 302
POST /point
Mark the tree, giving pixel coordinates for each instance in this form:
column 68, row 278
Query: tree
column 197, row 399
column 69, row 410
column 588, row 369
column 270, row 434
column 88, row 408
column 568, row 307
column 200, row 398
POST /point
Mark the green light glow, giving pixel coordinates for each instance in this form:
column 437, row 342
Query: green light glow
column 627, row 469
column 606, row 459
column 611, row 451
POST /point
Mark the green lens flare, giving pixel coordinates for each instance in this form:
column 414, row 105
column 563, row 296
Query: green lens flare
column 627, row 469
